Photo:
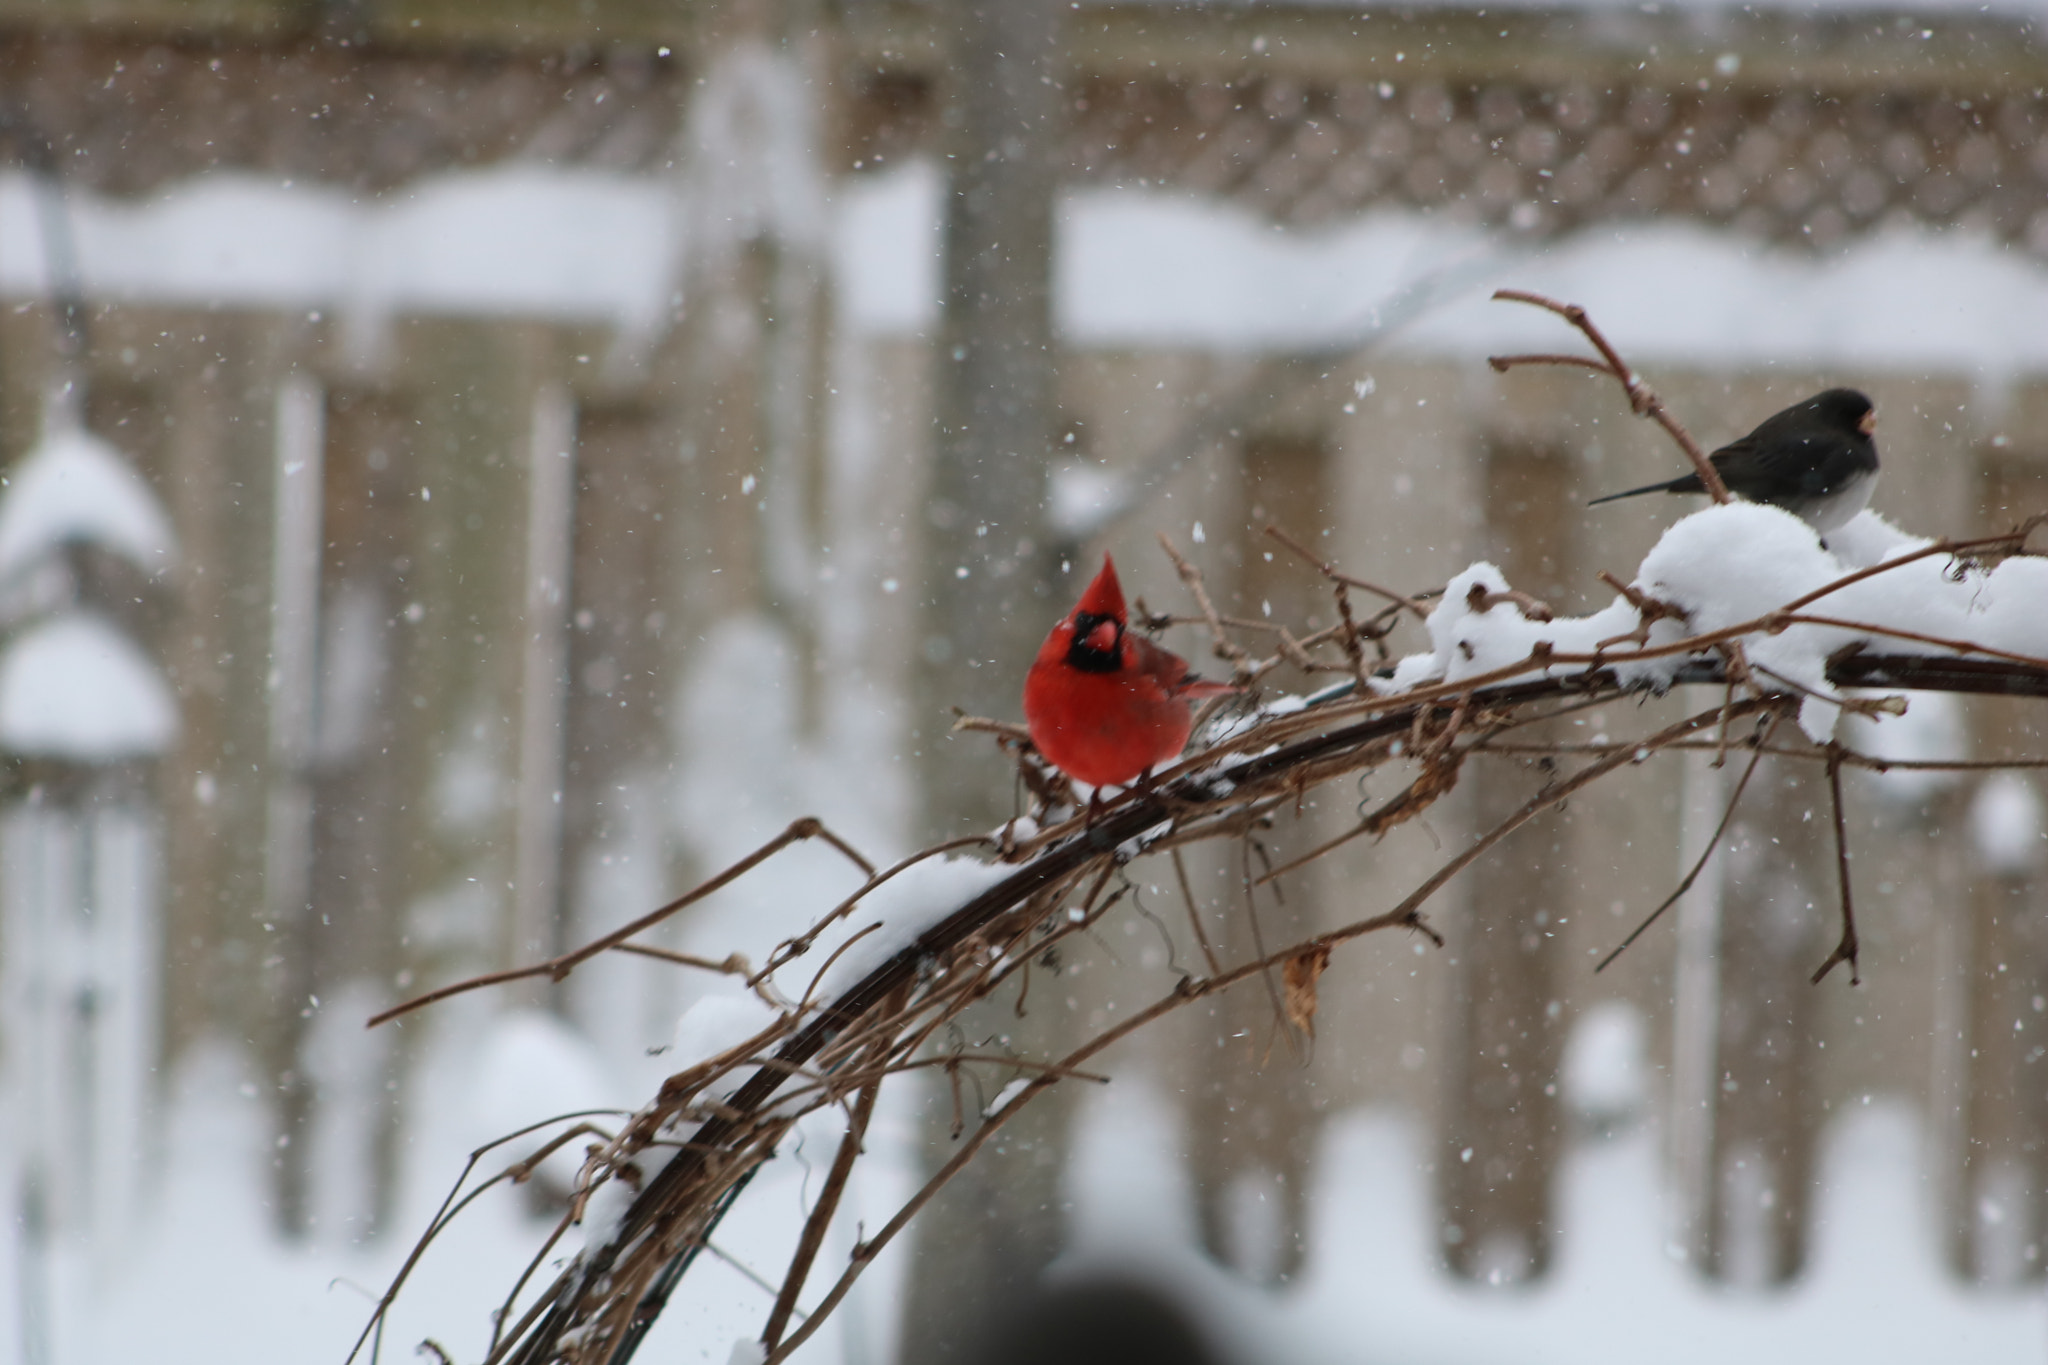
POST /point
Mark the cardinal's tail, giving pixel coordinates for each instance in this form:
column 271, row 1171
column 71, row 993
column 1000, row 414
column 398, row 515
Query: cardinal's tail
column 1684, row 483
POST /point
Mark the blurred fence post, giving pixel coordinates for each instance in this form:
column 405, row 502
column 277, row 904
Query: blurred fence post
column 1498, row 1135
column 1253, row 1125
column 988, row 600
column 2003, row 1042
column 1777, row 901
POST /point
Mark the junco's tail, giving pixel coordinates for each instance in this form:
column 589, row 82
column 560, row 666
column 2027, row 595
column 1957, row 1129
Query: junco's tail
column 1684, row 483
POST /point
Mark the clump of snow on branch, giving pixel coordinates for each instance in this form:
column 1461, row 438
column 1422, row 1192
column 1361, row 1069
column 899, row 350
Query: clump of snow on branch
column 716, row 1024
column 904, row 907
column 1476, row 631
column 1740, row 561
column 1730, row 565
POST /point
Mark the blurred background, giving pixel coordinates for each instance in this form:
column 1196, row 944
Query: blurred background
column 473, row 469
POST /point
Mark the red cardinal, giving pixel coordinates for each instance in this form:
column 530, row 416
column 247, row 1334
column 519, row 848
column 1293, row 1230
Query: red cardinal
column 1106, row 705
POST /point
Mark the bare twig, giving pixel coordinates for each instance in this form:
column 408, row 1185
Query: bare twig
column 1187, row 894
column 1642, row 400
column 821, row 1216
column 451, row 1204
column 1552, row 795
column 1938, row 641
column 1258, row 935
column 732, row 964
column 1845, row 947
column 555, row 968
column 1183, row 994
column 1330, row 571
column 747, row 1272
column 1685, row 884
column 1226, row 648
column 966, row 724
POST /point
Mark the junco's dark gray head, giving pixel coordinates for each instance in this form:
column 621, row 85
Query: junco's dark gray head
column 1845, row 410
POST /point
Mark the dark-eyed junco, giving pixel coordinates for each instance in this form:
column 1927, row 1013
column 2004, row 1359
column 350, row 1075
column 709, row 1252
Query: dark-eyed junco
column 1815, row 459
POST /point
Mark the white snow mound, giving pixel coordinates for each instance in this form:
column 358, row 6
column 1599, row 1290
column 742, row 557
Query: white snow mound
column 75, row 687
column 904, row 907
column 74, row 486
column 1731, row 565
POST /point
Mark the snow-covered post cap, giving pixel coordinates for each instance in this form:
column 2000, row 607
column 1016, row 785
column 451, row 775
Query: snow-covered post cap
column 73, row 486
column 74, row 687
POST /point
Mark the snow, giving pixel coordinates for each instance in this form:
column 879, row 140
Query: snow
column 1133, row 267
column 517, row 240
column 563, row 243
column 1149, row 269
column 751, row 768
column 905, row 906
column 75, row 687
column 1905, row 298
column 1154, row 268
column 1474, row 635
column 1874, row 1289
column 1868, row 540
column 1077, row 496
column 1933, row 730
column 716, row 1024
column 887, row 251
column 754, row 168
column 1736, row 563
column 533, row 1067
column 2008, row 827
column 73, row 486
column 1603, row 1072
column 1003, row 1097
column 1370, row 1291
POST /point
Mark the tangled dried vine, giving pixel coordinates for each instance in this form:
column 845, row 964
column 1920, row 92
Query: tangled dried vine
column 677, row 1164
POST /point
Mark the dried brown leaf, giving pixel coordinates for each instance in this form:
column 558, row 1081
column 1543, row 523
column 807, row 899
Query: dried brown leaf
column 1438, row 776
column 1298, row 987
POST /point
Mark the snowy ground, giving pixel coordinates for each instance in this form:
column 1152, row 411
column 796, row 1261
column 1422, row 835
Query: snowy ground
column 208, row 1285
